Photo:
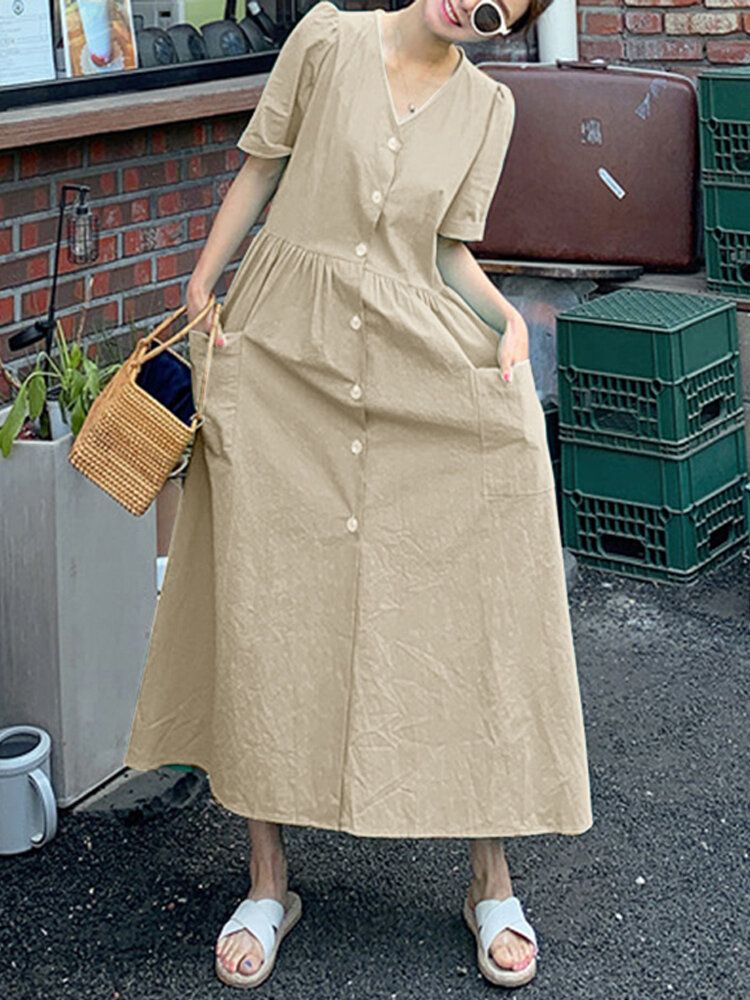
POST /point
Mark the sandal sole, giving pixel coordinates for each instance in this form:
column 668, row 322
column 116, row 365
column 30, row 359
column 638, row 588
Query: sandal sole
column 292, row 913
column 490, row 969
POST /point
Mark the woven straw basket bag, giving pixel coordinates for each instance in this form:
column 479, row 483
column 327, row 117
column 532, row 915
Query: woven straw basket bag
column 130, row 442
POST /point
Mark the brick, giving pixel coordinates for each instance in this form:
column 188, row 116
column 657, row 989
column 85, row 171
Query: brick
column 7, row 167
column 6, row 310
column 38, row 234
column 746, row 22
column 184, row 200
column 601, row 23
column 138, row 210
column 98, row 318
column 174, row 264
column 231, row 127
column 23, row 270
column 178, row 137
column 600, row 48
column 663, row 49
column 118, row 146
column 167, row 234
column 150, row 175
column 50, row 158
column 701, row 24
column 6, row 241
column 173, row 296
column 206, row 164
column 644, row 22
column 737, row 53
column 198, row 226
column 24, row 200
column 724, row 3
column 151, row 304
column 114, row 280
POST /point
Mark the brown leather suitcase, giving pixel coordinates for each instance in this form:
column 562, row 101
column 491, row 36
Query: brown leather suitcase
column 603, row 166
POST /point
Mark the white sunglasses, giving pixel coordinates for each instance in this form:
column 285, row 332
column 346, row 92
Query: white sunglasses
column 487, row 19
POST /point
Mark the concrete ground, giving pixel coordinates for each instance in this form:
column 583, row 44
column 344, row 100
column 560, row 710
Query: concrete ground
column 653, row 901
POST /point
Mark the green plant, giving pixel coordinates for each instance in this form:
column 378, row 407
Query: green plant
column 74, row 380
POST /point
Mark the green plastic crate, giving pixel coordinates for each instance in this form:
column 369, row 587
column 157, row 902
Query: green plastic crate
column 646, row 334
column 647, row 414
column 726, row 207
column 728, row 262
column 723, row 93
column 725, row 152
column 656, row 543
column 653, row 479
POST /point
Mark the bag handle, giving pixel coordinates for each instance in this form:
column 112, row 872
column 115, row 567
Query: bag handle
column 142, row 354
column 163, row 345
column 198, row 416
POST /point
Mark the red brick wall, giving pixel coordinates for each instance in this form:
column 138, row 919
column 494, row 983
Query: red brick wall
column 155, row 192
column 676, row 35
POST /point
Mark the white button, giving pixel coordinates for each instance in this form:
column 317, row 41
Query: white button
column 356, row 391
column 361, row 249
column 356, row 446
column 393, row 143
column 352, row 524
column 355, row 322
column 377, row 197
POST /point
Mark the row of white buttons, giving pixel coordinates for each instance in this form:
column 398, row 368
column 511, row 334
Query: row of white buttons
column 352, row 523
column 355, row 322
column 356, row 391
column 377, row 196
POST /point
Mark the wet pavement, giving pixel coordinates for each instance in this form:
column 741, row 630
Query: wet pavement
column 653, row 901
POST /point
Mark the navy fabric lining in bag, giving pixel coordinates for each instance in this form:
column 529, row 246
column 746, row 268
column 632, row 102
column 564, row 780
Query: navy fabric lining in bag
column 169, row 380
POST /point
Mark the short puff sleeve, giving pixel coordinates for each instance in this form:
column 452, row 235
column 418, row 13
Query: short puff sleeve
column 466, row 215
column 274, row 124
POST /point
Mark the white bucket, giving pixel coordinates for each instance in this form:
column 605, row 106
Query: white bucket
column 28, row 809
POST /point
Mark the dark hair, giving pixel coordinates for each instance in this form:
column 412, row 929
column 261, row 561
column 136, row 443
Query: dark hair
column 533, row 12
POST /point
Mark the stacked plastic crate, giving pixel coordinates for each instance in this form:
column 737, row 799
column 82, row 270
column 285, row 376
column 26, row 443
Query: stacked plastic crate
column 724, row 110
column 653, row 462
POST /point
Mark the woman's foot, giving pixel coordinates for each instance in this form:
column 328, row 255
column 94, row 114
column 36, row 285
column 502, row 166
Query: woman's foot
column 241, row 951
column 492, row 881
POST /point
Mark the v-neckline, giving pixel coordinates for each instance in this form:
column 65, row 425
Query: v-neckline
column 377, row 11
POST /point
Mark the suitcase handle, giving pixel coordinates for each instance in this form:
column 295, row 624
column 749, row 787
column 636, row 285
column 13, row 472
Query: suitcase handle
column 596, row 64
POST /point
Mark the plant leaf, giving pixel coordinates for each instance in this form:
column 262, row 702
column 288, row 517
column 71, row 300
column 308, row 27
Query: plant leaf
column 14, row 421
column 37, row 394
column 77, row 417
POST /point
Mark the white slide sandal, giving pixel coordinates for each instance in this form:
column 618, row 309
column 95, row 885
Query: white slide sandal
column 269, row 922
column 491, row 916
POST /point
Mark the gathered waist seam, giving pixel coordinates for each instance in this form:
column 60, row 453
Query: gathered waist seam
column 429, row 289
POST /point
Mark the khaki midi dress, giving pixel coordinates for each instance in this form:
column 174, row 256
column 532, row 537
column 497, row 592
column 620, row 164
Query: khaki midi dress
column 363, row 624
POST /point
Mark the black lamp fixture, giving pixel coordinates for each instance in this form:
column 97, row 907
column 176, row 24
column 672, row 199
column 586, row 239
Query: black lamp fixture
column 82, row 248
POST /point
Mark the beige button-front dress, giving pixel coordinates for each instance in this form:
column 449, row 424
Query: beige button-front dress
column 363, row 625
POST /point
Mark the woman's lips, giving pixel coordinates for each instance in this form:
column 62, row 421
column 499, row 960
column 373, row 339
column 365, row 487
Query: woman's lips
column 449, row 13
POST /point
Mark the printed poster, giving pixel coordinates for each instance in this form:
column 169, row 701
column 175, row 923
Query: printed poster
column 99, row 36
column 25, row 42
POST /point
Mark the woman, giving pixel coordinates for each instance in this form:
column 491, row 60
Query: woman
column 363, row 625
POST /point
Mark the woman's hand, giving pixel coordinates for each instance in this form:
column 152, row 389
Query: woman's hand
column 514, row 343
column 197, row 298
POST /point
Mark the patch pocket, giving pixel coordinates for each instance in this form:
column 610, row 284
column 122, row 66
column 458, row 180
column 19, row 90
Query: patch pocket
column 515, row 455
column 222, row 388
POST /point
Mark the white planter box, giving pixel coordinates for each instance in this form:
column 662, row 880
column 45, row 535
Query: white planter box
column 77, row 599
